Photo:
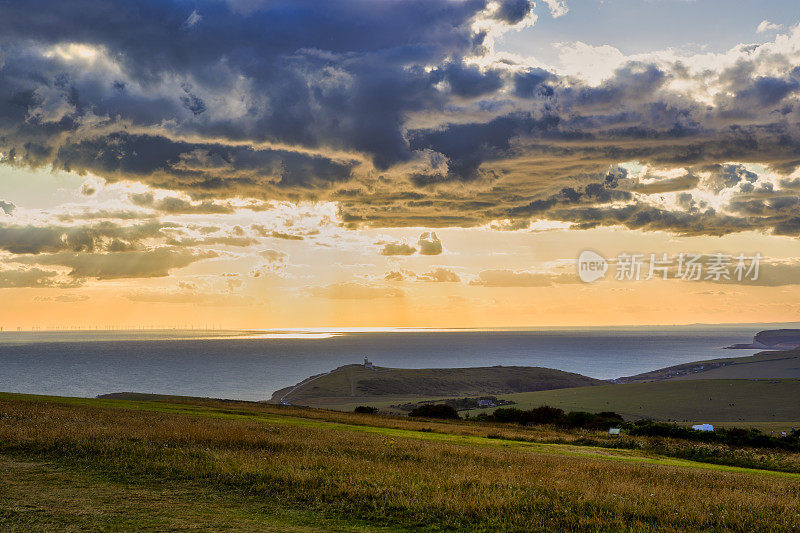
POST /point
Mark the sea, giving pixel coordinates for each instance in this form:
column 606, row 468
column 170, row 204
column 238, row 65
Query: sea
column 251, row 365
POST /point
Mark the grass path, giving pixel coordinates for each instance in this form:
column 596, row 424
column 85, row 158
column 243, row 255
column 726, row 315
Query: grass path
column 634, row 456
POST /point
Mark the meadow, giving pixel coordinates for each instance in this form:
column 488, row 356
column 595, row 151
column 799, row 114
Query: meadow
column 769, row 404
column 183, row 463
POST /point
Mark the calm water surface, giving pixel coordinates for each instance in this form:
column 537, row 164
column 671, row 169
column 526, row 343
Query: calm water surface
column 238, row 367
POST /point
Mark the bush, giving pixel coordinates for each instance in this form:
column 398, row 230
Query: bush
column 542, row 415
column 605, row 420
column 552, row 415
column 365, row 410
column 577, row 419
column 439, row 410
column 662, row 429
column 507, row 414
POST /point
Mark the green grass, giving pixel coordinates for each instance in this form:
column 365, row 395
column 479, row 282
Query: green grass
column 181, row 463
column 768, row 404
column 45, row 496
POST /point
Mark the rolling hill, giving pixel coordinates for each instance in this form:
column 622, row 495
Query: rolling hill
column 352, row 385
column 763, row 365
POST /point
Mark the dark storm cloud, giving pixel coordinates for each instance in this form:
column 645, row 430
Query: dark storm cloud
column 373, row 105
column 337, row 74
column 530, row 83
column 651, row 218
column 729, row 175
column 200, row 168
column 513, row 11
column 468, row 81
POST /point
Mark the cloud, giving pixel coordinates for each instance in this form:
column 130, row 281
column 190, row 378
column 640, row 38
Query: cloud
column 513, row 11
column 153, row 263
column 441, row 275
column 557, row 7
column 396, row 275
column 34, row 278
column 62, row 298
column 417, row 122
column 397, row 248
column 172, row 205
column 275, row 265
column 222, row 240
column 355, row 291
column 511, row 278
column 183, row 296
column 765, row 26
column 104, row 214
column 429, row 244
column 193, row 19
column 660, row 184
column 263, row 231
column 273, row 256
column 104, row 236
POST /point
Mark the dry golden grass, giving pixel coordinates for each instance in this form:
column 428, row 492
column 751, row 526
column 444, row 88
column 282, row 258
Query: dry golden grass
column 348, row 474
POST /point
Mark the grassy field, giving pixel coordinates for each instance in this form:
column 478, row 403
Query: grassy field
column 768, row 404
column 174, row 464
column 352, row 385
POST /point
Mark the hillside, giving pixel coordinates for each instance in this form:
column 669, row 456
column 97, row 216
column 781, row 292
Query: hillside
column 769, row 404
column 351, row 384
column 78, row 464
column 763, row 365
column 777, row 337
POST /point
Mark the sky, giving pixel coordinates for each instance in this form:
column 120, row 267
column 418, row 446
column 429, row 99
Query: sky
column 416, row 163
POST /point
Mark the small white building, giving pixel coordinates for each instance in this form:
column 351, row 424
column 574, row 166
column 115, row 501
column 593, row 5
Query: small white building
column 368, row 364
column 703, row 427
